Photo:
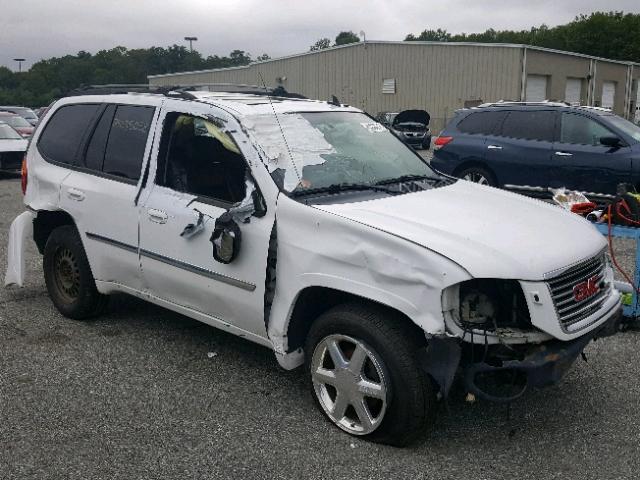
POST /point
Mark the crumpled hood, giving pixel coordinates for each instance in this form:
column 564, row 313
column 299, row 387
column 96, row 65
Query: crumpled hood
column 413, row 116
column 490, row 233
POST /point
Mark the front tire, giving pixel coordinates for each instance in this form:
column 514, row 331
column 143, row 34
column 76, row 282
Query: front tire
column 68, row 276
column 364, row 375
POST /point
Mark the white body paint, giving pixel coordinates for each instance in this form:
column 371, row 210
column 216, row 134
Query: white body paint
column 406, row 252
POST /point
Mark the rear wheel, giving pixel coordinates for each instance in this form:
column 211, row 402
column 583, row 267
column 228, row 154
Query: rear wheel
column 364, row 375
column 68, row 276
column 478, row 175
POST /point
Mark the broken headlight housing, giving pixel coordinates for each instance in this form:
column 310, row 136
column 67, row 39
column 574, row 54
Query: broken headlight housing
column 490, row 304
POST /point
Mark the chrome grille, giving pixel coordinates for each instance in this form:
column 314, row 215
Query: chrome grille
column 561, row 286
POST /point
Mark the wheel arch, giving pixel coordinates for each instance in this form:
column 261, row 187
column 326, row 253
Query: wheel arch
column 313, row 301
column 45, row 222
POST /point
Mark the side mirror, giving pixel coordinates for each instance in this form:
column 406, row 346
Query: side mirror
column 226, row 239
column 611, row 141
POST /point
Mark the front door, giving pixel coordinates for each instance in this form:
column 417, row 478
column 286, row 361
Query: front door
column 200, row 174
column 585, row 164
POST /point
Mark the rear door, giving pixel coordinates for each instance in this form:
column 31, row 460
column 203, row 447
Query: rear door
column 582, row 162
column 100, row 194
column 519, row 152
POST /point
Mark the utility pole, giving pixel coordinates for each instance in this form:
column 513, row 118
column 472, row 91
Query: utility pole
column 19, row 60
column 191, row 40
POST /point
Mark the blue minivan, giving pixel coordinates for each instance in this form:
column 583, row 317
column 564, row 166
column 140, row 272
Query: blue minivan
column 531, row 147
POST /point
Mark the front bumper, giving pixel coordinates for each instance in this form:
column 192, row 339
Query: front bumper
column 543, row 365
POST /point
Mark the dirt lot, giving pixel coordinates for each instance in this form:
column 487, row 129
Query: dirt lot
column 139, row 394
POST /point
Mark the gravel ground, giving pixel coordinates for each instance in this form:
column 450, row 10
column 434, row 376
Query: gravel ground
column 136, row 394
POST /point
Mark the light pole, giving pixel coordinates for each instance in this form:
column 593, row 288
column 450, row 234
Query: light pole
column 191, row 40
column 19, row 60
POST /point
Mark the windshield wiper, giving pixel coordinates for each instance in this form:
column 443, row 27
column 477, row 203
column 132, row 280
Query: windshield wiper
column 343, row 187
column 402, row 178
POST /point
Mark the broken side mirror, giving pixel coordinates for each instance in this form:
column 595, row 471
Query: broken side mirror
column 226, row 239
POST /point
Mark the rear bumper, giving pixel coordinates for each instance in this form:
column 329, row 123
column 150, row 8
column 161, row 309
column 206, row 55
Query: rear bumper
column 543, row 365
column 20, row 232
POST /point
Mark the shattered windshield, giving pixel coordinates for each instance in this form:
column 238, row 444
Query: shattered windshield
column 325, row 149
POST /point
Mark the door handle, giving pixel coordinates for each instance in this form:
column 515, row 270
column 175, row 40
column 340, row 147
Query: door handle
column 75, row 194
column 157, row 216
column 494, row 147
column 564, row 154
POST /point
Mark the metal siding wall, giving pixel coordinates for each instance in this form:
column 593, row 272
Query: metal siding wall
column 438, row 78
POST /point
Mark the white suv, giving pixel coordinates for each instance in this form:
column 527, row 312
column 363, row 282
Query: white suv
column 309, row 228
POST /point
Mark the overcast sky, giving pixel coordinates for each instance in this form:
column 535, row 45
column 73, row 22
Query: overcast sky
column 37, row 29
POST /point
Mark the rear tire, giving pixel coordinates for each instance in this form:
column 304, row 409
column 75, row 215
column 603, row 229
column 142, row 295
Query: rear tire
column 68, row 276
column 399, row 398
column 478, row 175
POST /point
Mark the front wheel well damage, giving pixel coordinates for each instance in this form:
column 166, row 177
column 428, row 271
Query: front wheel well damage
column 314, row 301
column 46, row 222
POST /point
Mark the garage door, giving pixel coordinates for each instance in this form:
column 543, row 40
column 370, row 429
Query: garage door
column 536, row 88
column 608, row 94
column 573, row 91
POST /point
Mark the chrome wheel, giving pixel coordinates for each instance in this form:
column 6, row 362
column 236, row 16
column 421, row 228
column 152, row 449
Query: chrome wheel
column 476, row 178
column 349, row 382
column 66, row 275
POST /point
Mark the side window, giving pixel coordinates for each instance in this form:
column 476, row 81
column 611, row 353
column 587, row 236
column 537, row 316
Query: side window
column 481, row 122
column 581, row 130
column 529, row 125
column 199, row 158
column 127, row 140
column 64, row 132
column 94, row 157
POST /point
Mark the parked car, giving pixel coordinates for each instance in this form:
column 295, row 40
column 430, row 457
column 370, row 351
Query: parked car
column 411, row 126
column 19, row 124
column 12, row 149
column 338, row 248
column 529, row 148
column 26, row 113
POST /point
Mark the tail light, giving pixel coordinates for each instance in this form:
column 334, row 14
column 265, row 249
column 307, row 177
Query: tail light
column 441, row 142
column 23, row 172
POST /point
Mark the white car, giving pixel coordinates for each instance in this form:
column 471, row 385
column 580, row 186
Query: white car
column 12, row 149
column 309, row 228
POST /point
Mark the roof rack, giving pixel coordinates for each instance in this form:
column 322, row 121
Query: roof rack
column 510, row 103
column 182, row 91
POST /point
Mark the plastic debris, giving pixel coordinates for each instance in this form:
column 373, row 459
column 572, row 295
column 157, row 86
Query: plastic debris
column 212, row 354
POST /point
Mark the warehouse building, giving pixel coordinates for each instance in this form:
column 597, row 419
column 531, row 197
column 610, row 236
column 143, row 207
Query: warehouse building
column 439, row 77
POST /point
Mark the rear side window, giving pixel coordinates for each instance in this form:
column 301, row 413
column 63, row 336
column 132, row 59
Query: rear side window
column 484, row 123
column 529, row 125
column 95, row 150
column 127, row 141
column 64, row 133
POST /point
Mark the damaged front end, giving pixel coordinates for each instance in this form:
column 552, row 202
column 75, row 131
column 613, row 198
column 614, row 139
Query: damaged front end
column 494, row 346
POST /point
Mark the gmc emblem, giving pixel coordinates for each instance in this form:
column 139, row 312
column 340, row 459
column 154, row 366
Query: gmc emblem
column 586, row 289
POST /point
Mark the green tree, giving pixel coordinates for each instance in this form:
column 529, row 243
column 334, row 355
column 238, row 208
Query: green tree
column 438, row 35
column 344, row 38
column 320, row 45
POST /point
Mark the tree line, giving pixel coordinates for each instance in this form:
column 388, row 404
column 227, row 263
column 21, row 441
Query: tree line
column 614, row 35
column 52, row 78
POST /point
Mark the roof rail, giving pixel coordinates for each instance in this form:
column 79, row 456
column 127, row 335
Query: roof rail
column 510, row 103
column 182, row 91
